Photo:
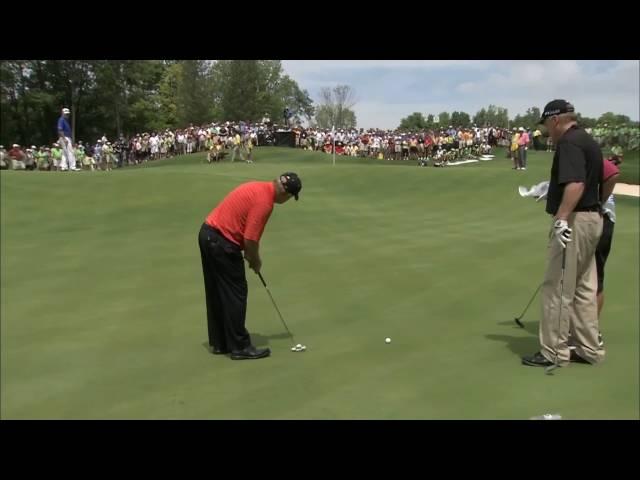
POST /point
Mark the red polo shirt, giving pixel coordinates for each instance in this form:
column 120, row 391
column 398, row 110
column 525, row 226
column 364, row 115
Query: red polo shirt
column 610, row 169
column 244, row 212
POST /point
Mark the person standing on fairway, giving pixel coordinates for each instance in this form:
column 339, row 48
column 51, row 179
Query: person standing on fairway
column 609, row 180
column 68, row 161
column 234, row 226
column 569, row 289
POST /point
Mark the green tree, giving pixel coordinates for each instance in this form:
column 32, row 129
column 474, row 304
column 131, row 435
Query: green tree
column 497, row 116
column 168, row 94
column 413, row 122
column 587, row 122
column 298, row 101
column 430, row 122
column 240, row 91
column 612, row 119
column 529, row 120
column 191, row 93
column 480, row 118
column 460, row 120
column 444, row 119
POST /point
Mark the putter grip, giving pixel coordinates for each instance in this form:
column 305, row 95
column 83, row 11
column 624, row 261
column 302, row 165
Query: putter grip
column 262, row 279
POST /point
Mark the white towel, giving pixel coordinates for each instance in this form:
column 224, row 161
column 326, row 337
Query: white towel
column 538, row 191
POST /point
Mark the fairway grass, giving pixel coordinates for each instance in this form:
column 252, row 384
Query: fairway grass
column 103, row 311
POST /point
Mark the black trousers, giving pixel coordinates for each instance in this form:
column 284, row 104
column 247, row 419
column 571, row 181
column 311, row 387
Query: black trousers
column 226, row 290
column 603, row 249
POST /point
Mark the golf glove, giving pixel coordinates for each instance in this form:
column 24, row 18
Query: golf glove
column 562, row 232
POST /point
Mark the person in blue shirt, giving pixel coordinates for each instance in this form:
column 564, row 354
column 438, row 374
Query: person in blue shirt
column 68, row 160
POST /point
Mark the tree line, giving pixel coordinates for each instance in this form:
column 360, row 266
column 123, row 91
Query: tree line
column 113, row 97
column 499, row 117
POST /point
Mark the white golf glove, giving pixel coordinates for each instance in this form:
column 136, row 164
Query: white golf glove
column 562, row 232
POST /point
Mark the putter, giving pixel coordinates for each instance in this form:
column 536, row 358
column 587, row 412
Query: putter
column 276, row 307
column 551, row 368
column 517, row 319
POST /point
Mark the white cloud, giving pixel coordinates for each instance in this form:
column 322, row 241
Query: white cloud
column 389, row 90
column 467, row 87
column 520, row 85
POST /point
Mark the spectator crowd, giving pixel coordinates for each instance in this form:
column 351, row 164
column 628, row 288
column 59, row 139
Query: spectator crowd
column 437, row 147
column 105, row 154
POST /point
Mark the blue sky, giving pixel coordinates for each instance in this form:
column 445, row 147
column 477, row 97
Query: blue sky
column 388, row 90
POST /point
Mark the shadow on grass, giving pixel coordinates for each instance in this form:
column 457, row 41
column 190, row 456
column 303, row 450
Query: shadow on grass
column 257, row 340
column 529, row 327
column 517, row 344
column 263, row 340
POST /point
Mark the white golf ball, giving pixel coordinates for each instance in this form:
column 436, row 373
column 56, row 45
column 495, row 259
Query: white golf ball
column 303, row 348
column 293, row 349
column 299, row 346
column 387, row 340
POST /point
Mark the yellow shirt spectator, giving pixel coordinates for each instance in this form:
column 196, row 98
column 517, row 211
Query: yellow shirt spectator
column 514, row 142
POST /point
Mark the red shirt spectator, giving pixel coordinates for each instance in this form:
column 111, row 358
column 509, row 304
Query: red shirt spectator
column 16, row 153
column 610, row 169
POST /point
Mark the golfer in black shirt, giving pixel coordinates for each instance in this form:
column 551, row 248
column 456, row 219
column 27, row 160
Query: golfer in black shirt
column 570, row 283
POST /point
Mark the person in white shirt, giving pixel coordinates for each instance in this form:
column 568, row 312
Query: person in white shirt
column 376, row 145
column 181, row 143
column 153, row 145
column 202, row 137
column 319, row 140
column 190, row 141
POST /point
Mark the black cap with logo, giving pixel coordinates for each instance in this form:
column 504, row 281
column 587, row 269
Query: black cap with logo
column 291, row 183
column 556, row 107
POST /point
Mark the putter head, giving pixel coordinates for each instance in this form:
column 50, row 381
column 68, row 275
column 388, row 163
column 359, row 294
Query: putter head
column 518, row 322
column 549, row 370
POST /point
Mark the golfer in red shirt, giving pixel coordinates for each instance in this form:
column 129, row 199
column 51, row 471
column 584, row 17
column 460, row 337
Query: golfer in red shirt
column 234, row 226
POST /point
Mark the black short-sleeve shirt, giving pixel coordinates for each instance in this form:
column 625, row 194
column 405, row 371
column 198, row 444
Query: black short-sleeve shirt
column 578, row 158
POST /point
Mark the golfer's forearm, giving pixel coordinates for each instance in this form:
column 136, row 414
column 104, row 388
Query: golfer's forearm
column 572, row 194
column 608, row 186
column 251, row 251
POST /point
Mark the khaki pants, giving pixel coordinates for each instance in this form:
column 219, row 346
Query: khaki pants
column 237, row 150
column 579, row 306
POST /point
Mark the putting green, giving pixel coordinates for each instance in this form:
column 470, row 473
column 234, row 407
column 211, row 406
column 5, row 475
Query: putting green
column 103, row 305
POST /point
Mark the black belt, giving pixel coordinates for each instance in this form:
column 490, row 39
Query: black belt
column 228, row 243
column 587, row 209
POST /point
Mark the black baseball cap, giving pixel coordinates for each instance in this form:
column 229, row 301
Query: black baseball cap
column 556, row 107
column 293, row 184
